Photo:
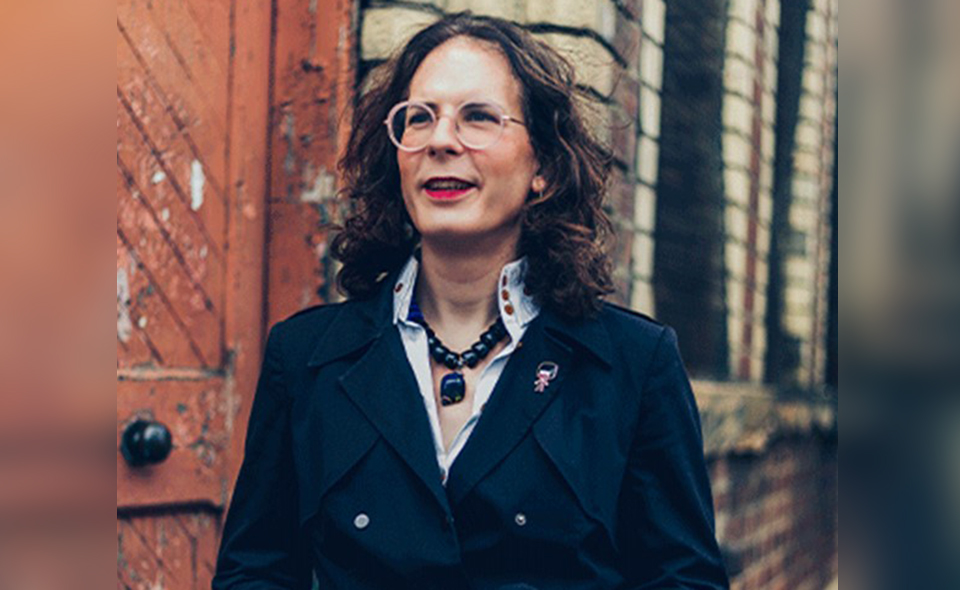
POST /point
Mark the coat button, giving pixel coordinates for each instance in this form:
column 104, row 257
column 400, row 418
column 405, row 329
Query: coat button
column 520, row 519
column 361, row 521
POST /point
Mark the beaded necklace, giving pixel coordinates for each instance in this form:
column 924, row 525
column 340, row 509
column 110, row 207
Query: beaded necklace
column 452, row 385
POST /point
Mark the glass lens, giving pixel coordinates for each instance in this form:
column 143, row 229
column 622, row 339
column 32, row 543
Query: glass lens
column 411, row 126
column 479, row 124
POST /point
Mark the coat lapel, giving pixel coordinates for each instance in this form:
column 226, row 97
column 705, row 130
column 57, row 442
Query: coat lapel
column 515, row 404
column 382, row 385
column 513, row 407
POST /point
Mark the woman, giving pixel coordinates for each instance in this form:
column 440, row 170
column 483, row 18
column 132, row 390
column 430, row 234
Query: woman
column 474, row 416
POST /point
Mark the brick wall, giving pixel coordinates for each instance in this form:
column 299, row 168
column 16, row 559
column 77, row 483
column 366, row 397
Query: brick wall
column 749, row 111
column 776, row 514
column 805, row 263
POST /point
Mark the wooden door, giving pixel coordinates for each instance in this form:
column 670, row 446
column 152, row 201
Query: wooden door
column 228, row 118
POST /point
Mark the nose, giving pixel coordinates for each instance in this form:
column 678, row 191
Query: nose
column 444, row 139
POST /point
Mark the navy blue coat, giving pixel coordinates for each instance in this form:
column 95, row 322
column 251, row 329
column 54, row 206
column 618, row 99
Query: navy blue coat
column 597, row 482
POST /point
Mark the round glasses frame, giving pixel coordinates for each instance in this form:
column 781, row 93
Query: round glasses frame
column 503, row 118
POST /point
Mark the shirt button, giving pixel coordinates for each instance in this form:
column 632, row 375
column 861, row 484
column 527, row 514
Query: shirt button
column 520, row 519
column 508, row 308
column 361, row 521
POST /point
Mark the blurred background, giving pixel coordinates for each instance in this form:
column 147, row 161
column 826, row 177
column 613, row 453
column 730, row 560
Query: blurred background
column 723, row 116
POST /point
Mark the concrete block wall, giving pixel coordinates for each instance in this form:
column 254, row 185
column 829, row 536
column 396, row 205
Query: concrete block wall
column 616, row 47
column 806, row 261
column 749, row 114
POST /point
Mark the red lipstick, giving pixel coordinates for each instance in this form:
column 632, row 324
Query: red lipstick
column 447, row 188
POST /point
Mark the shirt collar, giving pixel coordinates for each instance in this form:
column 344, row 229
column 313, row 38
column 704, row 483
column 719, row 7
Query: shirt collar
column 517, row 307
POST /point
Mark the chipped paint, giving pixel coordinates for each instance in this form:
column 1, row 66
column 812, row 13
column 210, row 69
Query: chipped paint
column 321, row 186
column 165, row 214
column 124, row 324
column 197, row 181
column 142, row 322
column 289, row 127
column 158, row 177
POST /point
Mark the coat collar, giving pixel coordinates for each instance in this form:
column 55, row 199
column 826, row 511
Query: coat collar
column 359, row 322
column 381, row 383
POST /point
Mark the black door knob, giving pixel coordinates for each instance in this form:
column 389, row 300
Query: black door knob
column 145, row 442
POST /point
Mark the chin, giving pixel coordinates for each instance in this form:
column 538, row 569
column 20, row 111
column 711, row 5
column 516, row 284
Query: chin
column 470, row 237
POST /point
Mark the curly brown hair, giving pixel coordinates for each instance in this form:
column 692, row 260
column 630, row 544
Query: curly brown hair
column 564, row 230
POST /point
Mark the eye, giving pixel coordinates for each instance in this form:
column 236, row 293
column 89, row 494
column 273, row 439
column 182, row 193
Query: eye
column 479, row 114
column 418, row 117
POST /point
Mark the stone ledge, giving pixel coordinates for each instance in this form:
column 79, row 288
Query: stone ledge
column 745, row 418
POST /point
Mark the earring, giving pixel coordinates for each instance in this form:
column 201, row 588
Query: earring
column 539, row 193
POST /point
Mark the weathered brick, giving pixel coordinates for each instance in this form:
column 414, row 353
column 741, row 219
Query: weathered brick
column 738, row 76
column 648, row 153
column 650, row 111
column 736, row 223
column 511, row 9
column 598, row 16
column 738, row 113
column 816, row 26
column 737, row 183
column 643, row 255
column 745, row 10
column 654, row 18
column 595, row 65
column 735, row 256
column 387, row 28
column 736, row 150
column 645, row 208
column 741, row 40
column 642, row 298
column 773, row 12
column 651, row 63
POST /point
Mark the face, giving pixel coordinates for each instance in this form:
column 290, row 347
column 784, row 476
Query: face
column 500, row 177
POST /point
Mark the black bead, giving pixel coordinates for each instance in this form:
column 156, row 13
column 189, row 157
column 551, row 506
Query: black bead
column 451, row 360
column 470, row 358
column 489, row 339
column 432, row 341
column 481, row 349
column 438, row 352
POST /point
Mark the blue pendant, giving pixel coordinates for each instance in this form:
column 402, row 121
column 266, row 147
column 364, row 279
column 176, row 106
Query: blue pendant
column 452, row 388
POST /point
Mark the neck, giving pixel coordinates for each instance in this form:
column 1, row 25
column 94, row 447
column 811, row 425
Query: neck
column 457, row 291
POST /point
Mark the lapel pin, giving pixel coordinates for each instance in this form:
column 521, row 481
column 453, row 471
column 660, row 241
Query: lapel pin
column 545, row 374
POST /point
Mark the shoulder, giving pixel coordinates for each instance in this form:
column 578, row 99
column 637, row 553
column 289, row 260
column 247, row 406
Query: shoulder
column 299, row 334
column 642, row 344
column 631, row 325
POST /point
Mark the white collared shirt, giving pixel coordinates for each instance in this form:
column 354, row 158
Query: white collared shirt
column 517, row 309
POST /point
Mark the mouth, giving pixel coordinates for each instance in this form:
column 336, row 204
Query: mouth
column 447, row 188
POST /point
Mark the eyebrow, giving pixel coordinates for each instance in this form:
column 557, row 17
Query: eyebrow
column 435, row 106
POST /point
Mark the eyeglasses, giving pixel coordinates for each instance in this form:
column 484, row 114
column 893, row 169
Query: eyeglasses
column 478, row 125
